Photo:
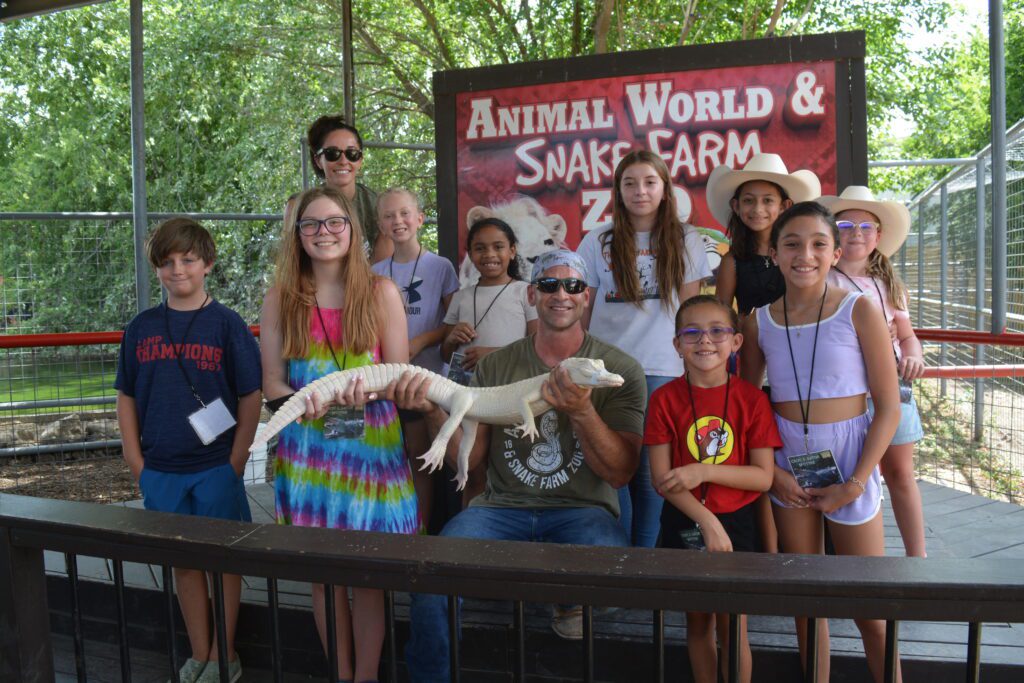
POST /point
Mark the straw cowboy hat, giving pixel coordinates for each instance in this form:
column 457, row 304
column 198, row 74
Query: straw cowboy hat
column 723, row 182
column 893, row 216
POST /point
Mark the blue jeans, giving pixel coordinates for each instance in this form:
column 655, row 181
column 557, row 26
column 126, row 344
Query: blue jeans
column 426, row 653
column 639, row 502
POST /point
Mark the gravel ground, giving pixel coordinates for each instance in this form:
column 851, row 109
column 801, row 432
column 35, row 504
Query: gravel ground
column 98, row 478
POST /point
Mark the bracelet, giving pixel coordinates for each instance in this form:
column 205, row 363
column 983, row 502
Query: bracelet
column 858, row 482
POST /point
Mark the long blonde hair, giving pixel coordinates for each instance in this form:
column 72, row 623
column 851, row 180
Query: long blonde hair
column 880, row 266
column 297, row 289
column 666, row 238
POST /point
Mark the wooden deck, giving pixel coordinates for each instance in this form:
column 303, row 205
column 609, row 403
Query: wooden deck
column 958, row 525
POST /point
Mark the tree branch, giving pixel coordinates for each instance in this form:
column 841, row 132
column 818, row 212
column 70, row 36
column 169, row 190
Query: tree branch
column 499, row 7
column 688, row 21
column 799, row 22
column 601, row 24
column 776, row 13
column 431, row 19
column 423, row 103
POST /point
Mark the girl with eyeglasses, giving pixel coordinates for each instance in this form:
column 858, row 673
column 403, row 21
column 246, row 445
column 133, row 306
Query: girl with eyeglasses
column 870, row 232
column 346, row 467
column 746, row 202
column 825, row 350
column 640, row 269
column 337, row 151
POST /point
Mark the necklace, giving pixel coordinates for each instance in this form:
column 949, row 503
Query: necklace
column 343, row 365
column 477, row 321
column 725, row 422
column 805, row 413
column 412, row 278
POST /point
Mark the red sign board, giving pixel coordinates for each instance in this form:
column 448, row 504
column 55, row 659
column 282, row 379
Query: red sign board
column 548, row 150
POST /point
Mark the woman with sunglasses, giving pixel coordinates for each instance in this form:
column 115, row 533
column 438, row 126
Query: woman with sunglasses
column 337, row 150
column 345, row 468
column 641, row 268
column 870, row 232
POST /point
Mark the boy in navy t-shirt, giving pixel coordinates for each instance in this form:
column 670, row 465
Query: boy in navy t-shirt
column 188, row 402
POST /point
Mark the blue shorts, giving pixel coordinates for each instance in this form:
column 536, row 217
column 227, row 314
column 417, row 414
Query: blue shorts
column 217, row 492
column 910, row 429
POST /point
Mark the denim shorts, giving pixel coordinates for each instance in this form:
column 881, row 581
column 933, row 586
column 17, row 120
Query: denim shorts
column 910, row 429
column 217, row 492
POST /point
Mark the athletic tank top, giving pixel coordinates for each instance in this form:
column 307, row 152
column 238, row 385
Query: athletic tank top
column 838, row 362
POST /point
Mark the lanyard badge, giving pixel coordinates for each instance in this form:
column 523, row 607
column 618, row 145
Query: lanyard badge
column 342, row 422
column 456, row 372
column 214, row 418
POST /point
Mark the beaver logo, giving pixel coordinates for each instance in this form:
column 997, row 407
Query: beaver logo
column 711, row 440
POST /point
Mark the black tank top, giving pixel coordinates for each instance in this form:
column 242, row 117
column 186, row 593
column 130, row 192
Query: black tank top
column 759, row 282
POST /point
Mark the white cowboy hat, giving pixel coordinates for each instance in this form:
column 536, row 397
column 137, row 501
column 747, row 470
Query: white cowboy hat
column 801, row 186
column 893, row 216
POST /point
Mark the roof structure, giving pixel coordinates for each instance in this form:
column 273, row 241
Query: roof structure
column 19, row 9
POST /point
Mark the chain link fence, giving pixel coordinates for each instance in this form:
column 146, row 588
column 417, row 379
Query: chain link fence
column 75, row 273
column 974, row 429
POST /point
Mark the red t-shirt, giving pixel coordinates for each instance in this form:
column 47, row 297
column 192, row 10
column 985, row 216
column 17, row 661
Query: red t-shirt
column 751, row 424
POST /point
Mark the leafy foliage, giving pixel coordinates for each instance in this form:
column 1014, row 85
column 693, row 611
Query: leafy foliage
column 232, row 85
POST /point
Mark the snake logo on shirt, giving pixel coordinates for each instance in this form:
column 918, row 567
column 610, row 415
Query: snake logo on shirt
column 546, row 467
column 711, row 440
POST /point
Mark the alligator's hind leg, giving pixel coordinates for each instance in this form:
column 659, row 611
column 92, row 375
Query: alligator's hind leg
column 468, row 439
column 461, row 403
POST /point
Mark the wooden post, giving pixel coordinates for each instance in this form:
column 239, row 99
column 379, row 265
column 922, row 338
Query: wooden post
column 26, row 653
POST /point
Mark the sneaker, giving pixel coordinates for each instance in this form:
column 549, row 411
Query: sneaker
column 190, row 671
column 212, row 672
column 568, row 622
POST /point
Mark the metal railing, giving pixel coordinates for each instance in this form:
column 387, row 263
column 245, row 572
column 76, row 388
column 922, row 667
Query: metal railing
column 58, row 397
column 892, row 589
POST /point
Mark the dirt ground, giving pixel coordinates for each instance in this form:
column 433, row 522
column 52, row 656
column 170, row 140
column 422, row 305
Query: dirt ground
column 95, row 477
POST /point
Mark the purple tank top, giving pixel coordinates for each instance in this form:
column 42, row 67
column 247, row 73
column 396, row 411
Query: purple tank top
column 838, row 363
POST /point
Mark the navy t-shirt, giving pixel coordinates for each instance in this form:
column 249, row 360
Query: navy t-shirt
column 222, row 360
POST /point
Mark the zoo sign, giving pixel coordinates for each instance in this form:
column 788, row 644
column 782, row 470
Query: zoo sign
column 538, row 143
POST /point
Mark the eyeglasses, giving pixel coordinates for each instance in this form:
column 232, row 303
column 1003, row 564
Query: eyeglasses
column 353, row 154
column 550, row 285
column 693, row 335
column 335, row 225
column 866, row 226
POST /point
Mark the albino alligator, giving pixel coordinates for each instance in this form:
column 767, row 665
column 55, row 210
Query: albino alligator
column 509, row 404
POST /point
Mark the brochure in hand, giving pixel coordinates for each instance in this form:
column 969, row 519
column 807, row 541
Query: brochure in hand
column 815, row 470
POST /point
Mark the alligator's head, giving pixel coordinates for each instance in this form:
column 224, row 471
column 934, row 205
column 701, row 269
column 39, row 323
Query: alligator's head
column 590, row 372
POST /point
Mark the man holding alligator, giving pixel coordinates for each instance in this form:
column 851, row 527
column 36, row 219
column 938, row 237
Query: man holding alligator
column 559, row 488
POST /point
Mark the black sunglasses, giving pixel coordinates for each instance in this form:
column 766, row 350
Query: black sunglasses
column 550, row 285
column 353, row 154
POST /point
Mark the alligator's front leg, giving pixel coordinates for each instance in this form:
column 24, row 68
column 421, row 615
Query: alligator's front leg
column 462, row 401
column 529, row 424
column 468, row 439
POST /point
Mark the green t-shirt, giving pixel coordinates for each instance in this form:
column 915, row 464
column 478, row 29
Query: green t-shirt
column 551, row 471
column 366, row 210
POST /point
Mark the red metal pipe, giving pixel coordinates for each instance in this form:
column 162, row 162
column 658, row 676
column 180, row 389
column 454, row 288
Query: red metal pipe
column 974, row 371
column 970, row 337
column 25, row 341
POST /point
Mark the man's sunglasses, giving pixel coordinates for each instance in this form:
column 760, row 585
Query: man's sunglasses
column 332, row 154
column 550, row 285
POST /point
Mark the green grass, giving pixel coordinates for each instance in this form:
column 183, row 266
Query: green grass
column 56, row 379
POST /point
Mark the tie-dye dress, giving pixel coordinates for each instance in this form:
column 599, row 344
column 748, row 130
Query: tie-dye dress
column 363, row 484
